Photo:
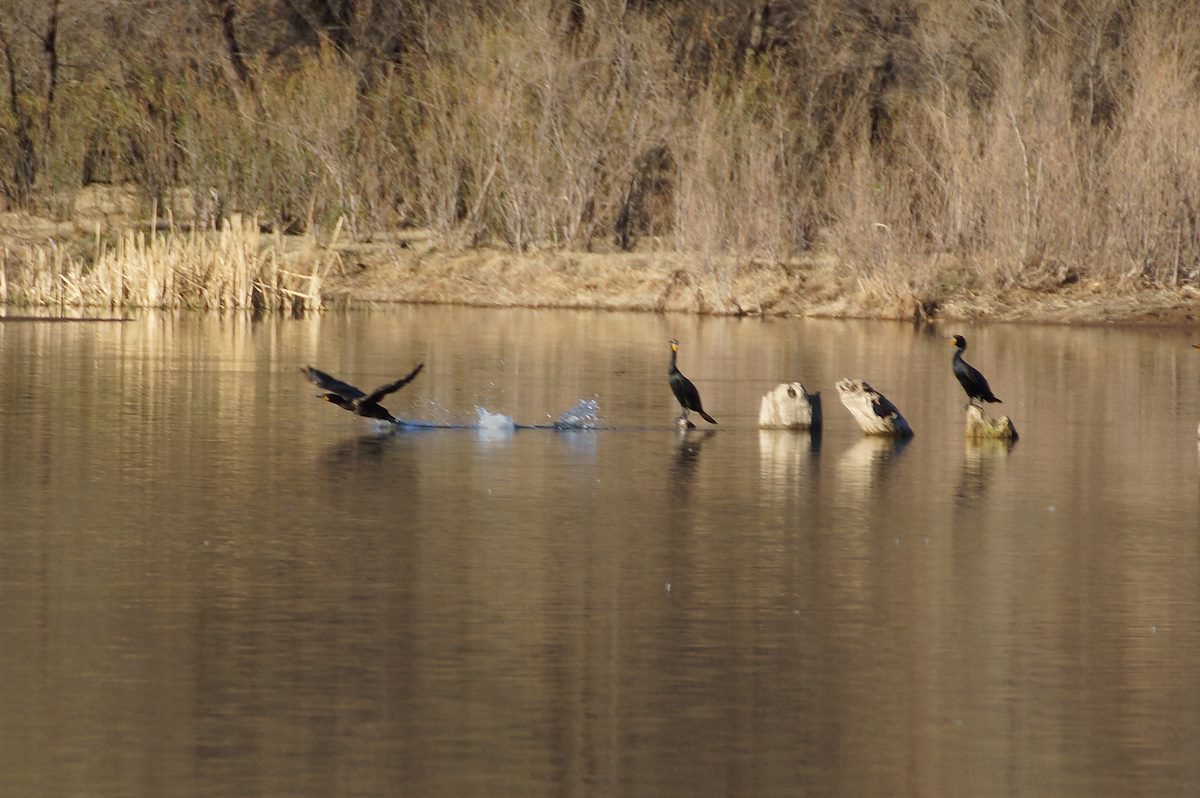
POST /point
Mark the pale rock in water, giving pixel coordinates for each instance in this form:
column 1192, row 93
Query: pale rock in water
column 790, row 406
column 980, row 426
column 871, row 409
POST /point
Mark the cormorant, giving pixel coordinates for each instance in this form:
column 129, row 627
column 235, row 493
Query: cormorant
column 685, row 392
column 974, row 383
column 350, row 398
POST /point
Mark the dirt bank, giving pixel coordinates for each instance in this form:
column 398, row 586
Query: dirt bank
column 812, row 287
column 408, row 267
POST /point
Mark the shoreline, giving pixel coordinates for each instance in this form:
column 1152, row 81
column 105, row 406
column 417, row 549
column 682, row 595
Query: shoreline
column 670, row 282
column 407, row 268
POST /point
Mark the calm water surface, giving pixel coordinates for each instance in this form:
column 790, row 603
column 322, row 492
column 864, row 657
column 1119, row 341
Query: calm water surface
column 213, row 584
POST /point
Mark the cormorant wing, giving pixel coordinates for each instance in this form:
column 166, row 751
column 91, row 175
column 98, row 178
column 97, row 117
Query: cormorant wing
column 331, row 384
column 384, row 390
column 980, row 381
column 883, row 406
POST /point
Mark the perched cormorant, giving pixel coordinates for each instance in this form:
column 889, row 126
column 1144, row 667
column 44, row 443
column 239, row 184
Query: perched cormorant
column 350, row 398
column 685, row 392
column 974, row 383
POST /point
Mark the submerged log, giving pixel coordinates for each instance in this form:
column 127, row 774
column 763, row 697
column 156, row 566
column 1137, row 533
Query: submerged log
column 790, row 406
column 980, row 427
column 872, row 410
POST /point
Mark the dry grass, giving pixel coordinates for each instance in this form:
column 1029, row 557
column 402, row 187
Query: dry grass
column 232, row 268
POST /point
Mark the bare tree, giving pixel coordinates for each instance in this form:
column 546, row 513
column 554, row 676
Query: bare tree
column 29, row 45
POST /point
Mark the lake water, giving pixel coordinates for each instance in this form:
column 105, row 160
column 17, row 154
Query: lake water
column 212, row 584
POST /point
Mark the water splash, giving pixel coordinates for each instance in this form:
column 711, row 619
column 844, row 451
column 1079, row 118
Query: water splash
column 585, row 414
column 494, row 422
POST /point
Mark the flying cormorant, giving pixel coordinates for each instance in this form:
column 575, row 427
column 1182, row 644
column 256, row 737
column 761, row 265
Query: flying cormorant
column 685, row 392
column 350, row 398
column 974, row 383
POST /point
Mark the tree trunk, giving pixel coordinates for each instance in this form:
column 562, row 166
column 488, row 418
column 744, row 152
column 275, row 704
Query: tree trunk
column 50, row 48
column 25, row 165
column 236, row 64
column 790, row 406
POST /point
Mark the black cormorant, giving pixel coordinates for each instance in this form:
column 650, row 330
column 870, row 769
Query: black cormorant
column 974, row 383
column 685, row 392
column 350, row 398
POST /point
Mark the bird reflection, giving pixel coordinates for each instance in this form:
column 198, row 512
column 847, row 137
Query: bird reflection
column 687, row 457
column 363, row 449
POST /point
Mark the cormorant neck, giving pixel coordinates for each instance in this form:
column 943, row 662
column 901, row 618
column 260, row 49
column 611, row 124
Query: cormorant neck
column 673, row 369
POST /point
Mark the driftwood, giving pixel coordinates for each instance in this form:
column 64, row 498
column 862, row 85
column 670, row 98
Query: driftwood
column 789, row 406
column 980, row 427
column 872, row 410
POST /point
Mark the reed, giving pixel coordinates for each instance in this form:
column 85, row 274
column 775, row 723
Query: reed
column 235, row 267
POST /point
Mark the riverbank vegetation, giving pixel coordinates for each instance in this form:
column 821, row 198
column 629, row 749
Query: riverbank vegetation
column 911, row 155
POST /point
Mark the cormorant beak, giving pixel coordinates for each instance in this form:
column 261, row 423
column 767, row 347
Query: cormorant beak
column 951, row 339
column 674, row 347
column 1196, row 347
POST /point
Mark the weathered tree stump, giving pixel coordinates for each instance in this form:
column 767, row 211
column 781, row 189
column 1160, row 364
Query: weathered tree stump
column 872, row 410
column 789, row 406
column 980, row 427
